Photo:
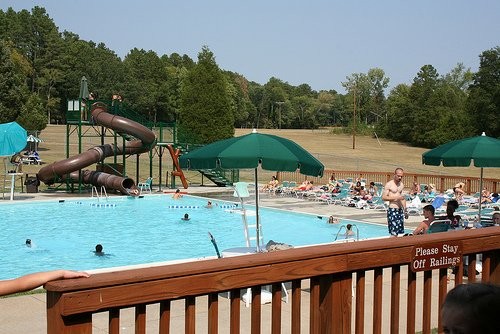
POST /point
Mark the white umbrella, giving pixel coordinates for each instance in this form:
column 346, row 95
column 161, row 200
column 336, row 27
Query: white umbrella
column 34, row 139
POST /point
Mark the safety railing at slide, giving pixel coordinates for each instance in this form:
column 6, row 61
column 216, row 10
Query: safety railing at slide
column 442, row 182
column 364, row 286
column 115, row 108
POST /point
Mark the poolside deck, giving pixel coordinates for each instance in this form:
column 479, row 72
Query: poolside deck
column 27, row 314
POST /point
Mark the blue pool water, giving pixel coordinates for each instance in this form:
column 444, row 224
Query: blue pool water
column 141, row 230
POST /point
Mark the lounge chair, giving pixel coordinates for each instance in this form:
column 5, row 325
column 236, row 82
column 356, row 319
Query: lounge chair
column 342, row 198
column 377, row 203
column 283, row 188
column 290, row 191
column 438, row 202
column 415, row 206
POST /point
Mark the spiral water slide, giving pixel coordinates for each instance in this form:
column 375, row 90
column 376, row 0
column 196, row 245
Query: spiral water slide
column 61, row 169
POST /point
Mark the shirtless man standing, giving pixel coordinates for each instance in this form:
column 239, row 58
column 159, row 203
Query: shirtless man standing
column 396, row 213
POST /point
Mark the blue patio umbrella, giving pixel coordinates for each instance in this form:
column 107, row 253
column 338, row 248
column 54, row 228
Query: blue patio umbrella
column 12, row 138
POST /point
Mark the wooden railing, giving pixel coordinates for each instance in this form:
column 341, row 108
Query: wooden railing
column 442, row 182
column 359, row 287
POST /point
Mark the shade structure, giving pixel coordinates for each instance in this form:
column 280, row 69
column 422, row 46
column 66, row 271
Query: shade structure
column 248, row 152
column 12, row 138
column 480, row 151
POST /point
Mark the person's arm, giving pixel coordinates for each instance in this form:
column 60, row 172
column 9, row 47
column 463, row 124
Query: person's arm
column 386, row 194
column 32, row 281
column 420, row 228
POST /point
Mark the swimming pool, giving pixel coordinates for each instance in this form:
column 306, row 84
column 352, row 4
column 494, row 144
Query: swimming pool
column 141, row 230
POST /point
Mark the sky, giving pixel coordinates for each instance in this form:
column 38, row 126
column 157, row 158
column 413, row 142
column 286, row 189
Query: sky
column 317, row 42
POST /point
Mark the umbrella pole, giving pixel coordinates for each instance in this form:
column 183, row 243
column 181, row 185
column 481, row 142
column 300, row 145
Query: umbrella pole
column 257, row 218
column 480, row 194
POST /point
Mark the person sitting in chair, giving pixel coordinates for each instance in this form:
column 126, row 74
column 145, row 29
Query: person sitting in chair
column 415, row 189
column 428, row 212
column 272, row 185
column 451, row 206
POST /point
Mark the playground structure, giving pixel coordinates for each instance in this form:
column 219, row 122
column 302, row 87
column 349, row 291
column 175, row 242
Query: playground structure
column 72, row 167
column 121, row 134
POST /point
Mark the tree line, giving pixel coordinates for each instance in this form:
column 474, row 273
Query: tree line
column 41, row 68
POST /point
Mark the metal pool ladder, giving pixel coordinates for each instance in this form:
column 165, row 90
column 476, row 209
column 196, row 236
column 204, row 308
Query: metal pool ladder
column 343, row 227
column 97, row 195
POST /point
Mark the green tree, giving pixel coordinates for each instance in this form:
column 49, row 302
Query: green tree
column 32, row 116
column 242, row 107
column 146, row 83
column 13, row 70
column 205, row 111
column 177, row 68
column 431, row 111
column 268, row 115
column 375, row 108
column 483, row 104
column 460, row 77
column 421, row 111
column 305, row 112
column 368, row 92
column 36, row 36
column 256, row 94
column 324, row 106
column 396, row 125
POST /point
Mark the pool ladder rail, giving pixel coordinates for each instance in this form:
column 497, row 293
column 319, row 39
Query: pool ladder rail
column 103, row 193
column 343, row 227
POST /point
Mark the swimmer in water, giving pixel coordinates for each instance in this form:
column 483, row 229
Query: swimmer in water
column 177, row 194
column 98, row 250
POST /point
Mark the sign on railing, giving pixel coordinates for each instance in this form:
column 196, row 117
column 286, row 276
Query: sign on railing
column 435, row 256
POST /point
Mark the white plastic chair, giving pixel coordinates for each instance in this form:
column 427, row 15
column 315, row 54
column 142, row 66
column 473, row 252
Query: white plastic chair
column 146, row 185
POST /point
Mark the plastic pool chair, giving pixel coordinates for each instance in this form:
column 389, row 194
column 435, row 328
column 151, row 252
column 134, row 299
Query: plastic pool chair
column 439, row 226
column 146, row 185
column 241, row 190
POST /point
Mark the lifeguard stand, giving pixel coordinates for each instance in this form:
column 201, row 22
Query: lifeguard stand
column 12, row 173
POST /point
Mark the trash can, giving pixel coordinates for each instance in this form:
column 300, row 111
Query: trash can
column 31, row 184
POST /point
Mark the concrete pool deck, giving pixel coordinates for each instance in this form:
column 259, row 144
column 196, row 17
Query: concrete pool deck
column 27, row 313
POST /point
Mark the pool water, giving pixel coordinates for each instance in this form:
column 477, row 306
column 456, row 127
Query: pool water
column 141, row 230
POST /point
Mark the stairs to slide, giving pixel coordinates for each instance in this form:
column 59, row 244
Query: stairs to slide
column 216, row 177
